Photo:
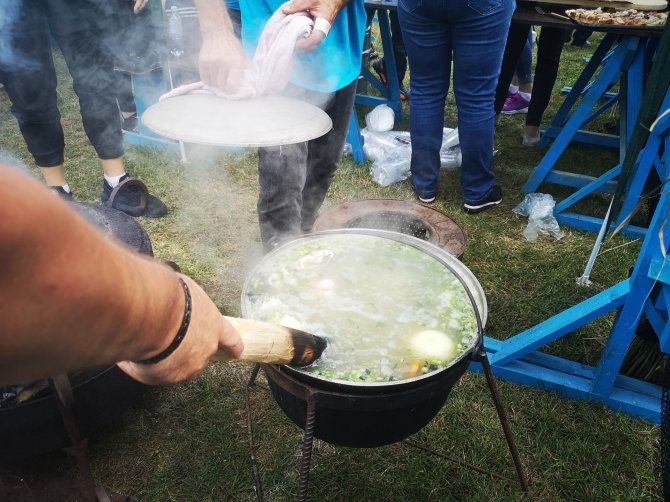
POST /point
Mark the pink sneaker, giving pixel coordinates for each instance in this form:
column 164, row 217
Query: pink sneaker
column 515, row 103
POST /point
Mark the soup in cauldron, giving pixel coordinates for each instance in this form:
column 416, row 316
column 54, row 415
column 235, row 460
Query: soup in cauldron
column 390, row 311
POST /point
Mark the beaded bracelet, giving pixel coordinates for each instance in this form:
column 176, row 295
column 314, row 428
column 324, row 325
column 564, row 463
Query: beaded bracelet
column 180, row 334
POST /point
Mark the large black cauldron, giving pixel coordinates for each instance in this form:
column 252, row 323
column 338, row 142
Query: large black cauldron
column 366, row 415
column 100, row 395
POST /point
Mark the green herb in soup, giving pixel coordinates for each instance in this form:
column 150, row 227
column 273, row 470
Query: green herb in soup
column 390, row 311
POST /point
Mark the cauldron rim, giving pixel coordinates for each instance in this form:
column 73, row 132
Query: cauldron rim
column 436, row 252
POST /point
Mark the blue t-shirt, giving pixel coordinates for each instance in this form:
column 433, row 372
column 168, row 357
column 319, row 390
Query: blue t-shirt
column 233, row 4
column 337, row 60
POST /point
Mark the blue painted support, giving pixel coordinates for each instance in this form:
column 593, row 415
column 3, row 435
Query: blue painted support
column 593, row 224
column 647, row 159
column 642, row 284
column 390, row 92
column 355, row 139
column 600, row 56
column 147, row 88
column 647, row 290
column 578, row 181
column 572, row 380
column 609, row 74
column 561, row 324
column 595, row 185
column 567, row 89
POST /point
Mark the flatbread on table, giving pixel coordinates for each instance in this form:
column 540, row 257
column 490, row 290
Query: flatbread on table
column 628, row 17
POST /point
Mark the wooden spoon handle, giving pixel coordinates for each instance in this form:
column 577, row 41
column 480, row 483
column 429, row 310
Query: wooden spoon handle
column 275, row 344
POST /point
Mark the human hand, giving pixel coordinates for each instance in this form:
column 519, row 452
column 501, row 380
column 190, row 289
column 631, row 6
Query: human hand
column 319, row 9
column 139, row 5
column 222, row 61
column 208, row 332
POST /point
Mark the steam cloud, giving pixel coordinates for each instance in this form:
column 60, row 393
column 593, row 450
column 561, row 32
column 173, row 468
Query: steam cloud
column 10, row 59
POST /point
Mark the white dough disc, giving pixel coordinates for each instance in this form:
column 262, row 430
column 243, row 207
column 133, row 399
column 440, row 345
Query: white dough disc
column 206, row 119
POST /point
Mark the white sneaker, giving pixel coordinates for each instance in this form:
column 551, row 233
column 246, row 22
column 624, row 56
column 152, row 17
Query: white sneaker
column 530, row 140
column 426, row 200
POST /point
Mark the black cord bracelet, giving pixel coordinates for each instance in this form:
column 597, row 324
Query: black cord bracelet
column 180, row 334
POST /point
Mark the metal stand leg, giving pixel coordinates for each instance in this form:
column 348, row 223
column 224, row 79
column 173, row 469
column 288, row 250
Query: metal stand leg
column 307, row 444
column 502, row 416
column 250, row 434
column 62, row 391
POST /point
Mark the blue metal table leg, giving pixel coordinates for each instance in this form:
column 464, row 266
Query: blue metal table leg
column 389, row 61
column 391, row 91
column 355, row 139
column 609, row 74
column 147, row 88
column 581, row 86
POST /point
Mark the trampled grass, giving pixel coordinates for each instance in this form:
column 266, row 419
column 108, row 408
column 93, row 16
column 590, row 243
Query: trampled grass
column 189, row 441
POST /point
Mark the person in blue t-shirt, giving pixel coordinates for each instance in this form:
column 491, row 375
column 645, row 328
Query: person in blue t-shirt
column 293, row 179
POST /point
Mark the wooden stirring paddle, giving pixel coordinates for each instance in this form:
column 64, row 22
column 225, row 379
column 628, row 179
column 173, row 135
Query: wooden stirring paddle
column 275, row 344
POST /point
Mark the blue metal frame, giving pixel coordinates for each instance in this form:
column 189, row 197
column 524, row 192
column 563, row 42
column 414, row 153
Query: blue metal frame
column 390, row 93
column 625, row 64
column 646, row 291
column 147, row 88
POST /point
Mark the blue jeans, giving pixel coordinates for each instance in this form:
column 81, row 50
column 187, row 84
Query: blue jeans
column 472, row 33
column 524, row 66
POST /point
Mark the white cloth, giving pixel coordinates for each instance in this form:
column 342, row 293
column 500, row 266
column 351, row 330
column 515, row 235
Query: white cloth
column 270, row 68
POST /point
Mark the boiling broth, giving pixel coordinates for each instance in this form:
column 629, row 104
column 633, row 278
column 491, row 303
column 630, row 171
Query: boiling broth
column 374, row 299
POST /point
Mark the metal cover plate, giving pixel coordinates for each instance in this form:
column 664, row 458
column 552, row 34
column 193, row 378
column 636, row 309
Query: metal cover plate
column 210, row 120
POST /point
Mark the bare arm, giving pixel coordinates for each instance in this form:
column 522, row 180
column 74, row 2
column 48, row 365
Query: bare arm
column 222, row 60
column 325, row 9
column 70, row 298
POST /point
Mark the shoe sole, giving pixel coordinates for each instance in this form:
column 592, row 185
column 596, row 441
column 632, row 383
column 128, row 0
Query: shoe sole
column 514, row 112
column 481, row 207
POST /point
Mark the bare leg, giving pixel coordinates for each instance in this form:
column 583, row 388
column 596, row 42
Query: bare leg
column 113, row 167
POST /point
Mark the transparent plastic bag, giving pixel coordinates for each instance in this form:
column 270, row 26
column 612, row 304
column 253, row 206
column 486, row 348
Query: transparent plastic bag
column 391, row 152
column 378, row 145
column 391, row 169
column 539, row 207
column 451, row 158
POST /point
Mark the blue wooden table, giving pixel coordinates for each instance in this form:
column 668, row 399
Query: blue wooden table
column 390, row 92
column 622, row 58
column 646, row 291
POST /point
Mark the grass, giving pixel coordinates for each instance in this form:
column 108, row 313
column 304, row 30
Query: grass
column 189, row 441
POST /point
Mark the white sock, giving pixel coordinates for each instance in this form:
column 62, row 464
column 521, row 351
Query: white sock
column 525, row 95
column 66, row 187
column 513, row 89
column 114, row 180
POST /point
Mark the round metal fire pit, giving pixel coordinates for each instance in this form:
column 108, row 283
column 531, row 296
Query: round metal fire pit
column 403, row 216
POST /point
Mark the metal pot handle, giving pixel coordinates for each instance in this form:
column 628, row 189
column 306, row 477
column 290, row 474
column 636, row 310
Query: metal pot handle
column 479, row 346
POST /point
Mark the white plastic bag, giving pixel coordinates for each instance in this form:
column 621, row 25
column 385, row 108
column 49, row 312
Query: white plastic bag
column 380, row 119
column 539, row 207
